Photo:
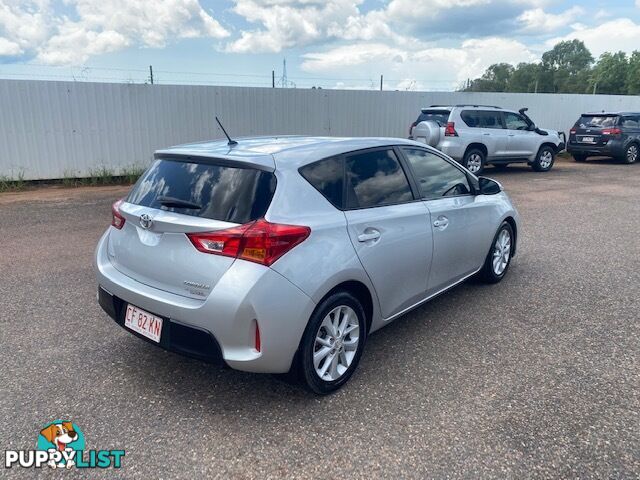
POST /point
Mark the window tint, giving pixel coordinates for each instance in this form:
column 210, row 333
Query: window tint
column 376, row 178
column 631, row 122
column 482, row 118
column 514, row 121
column 237, row 195
column 441, row 117
column 436, row 177
column 327, row 177
column 597, row 121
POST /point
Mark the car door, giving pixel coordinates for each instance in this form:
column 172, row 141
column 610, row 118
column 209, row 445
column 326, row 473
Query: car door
column 461, row 232
column 493, row 133
column 388, row 227
column 521, row 142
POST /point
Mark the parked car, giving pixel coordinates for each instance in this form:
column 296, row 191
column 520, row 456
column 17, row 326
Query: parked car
column 478, row 135
column 606, row 134
column 283, row 254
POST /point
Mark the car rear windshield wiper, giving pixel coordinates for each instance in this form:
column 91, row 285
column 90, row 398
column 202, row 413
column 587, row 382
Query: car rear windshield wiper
column 173, row 202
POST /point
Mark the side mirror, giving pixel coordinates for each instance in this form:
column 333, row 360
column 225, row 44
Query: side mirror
column 488, row 186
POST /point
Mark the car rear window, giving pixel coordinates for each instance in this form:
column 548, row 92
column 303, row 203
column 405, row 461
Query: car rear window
column 597, row 121
column 217, row 192
column 441, row 117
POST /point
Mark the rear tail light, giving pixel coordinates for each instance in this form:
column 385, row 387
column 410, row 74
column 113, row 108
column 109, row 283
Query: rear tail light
column 117, row 220
column 260, row 242
column 450, row 130
column 612, row 131
column 573, row 131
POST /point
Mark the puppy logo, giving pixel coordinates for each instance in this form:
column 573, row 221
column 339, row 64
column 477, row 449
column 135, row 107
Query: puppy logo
column 64, row 437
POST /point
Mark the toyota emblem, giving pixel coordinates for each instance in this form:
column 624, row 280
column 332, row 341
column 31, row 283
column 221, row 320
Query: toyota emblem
column 146, row 221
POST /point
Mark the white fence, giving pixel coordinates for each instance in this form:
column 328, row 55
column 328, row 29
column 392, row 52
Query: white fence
column 73, row 129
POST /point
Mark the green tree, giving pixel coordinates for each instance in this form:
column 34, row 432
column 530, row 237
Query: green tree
column 569, row 62
column 632, row 83
column 494, row 79
column 526, row 78
column 610, row 74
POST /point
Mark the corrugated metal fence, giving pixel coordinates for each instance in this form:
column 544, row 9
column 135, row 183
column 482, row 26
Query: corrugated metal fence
column 73, row 129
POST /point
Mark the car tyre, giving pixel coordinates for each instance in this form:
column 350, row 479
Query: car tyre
column 579, row 158
column 499, row 257
column 474, row 161
column 333, row 341
column 631, row 154
column 544, row 159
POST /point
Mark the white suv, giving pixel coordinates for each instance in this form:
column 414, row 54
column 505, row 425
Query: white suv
column 476, row 135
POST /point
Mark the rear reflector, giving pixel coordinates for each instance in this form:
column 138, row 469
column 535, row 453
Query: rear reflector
column 257, row 345
column 450, row 130
column 117, row 220
column 260, row 242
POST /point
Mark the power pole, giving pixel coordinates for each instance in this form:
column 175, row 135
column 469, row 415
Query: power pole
column 151, row 74
column 381, row 82
column 535, row 89
column 284, row 81
column 273, row 79
column 595, row 87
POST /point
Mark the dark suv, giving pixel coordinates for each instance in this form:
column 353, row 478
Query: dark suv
column 614, row 135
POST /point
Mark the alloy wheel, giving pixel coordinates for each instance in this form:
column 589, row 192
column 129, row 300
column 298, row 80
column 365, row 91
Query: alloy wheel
column 632, row 154
column 546, row 158
column 501, row 252
column 474, row 163
column 336, row 343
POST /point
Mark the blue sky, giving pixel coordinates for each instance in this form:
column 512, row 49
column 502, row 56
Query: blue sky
column 415, row 44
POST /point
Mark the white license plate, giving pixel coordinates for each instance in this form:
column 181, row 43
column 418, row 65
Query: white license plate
column 143, row 322
column 588, row 140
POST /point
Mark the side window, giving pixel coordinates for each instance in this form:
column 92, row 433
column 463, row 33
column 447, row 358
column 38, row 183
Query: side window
column 631, row 122
column 375, row 178
column 515, row 121
column 327, row 176
column 481, row 119
column 436, row 177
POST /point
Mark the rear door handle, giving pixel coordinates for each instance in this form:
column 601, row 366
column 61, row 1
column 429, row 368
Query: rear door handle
column 370, row 234
column 441, row 222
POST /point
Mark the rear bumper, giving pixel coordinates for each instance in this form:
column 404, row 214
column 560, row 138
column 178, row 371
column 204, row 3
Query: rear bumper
column 220, row 328
column 611, row 149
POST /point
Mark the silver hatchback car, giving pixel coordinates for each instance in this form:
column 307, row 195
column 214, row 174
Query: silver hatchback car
column 283, row 254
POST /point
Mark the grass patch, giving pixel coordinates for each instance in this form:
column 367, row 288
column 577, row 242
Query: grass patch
column 99, row 177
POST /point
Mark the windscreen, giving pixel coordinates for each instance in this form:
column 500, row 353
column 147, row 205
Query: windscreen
column 217, row 192
column 441, row 117
column 597, row 121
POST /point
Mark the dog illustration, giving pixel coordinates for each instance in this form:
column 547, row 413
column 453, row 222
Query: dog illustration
column 60, row 434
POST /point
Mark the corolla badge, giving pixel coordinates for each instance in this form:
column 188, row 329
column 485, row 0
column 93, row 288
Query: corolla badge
column 146, row 221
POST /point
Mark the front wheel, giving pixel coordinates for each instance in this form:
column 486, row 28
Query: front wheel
column 499, row 257
column 631, row 154
column 474, row 161
column 333, row 343
column 544, row 159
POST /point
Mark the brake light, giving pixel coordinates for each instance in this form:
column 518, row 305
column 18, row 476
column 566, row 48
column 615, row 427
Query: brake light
column 260, row 242
column 450, row 130
column 612, row 131
column 117, row 220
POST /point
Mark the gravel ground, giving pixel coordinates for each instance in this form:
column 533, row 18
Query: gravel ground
column 536, row 377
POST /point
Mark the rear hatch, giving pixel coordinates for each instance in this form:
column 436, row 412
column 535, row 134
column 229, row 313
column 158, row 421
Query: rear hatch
column 593, row 129
column 181, row 195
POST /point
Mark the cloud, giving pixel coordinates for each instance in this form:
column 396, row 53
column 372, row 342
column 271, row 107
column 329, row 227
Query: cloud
column 426, row 67
column 612, row 36
column 539, row 21
column 101, row 26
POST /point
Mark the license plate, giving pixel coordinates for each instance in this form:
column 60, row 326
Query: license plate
column 588, row 140
column 143, row 322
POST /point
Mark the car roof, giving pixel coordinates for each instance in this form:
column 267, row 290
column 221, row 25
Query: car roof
column 288, row 150
column 610, row 113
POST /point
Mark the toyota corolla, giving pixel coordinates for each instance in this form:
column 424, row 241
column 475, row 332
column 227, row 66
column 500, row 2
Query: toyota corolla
column 283, row 254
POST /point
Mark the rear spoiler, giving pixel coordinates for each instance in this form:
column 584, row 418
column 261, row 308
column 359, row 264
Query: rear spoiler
column 258, row 162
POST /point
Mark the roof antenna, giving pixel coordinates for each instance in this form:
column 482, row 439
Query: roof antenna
column 231, row 143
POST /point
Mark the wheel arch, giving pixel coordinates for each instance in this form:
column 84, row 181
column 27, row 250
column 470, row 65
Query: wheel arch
column 477, row 145
column 553, row 146
column 358, row 290
column 512, row 223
